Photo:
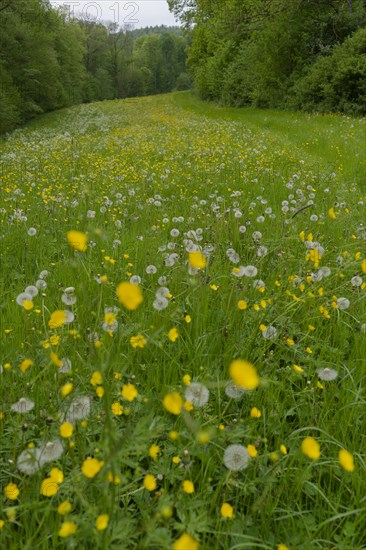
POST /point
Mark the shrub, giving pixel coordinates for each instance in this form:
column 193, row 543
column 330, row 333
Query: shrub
column 336, row 82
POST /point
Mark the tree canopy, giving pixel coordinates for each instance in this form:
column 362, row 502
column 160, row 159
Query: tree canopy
column 50, row 60
column 307, row 54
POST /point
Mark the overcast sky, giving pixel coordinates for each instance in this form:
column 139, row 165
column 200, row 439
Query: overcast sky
column 139, row 13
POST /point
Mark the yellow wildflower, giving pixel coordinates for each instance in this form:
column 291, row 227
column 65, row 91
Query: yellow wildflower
column 91, row 466
column 129, row 392
column 244, row 374
column 311, row 448
column 77, row 240
column 173, row 403
column 197, row 260
column 101, row 523
column 67, row 529
column 129, row 295
column 227, row 511
column 150, row 482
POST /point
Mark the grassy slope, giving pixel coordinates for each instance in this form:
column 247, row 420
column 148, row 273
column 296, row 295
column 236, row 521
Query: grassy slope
column 207, row 165
column 335, row 143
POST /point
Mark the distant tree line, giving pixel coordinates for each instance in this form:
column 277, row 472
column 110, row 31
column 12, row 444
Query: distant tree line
column 300, row 54
column 49, row 60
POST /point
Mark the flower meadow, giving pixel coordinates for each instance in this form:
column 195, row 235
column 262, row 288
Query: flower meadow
column 183, row 331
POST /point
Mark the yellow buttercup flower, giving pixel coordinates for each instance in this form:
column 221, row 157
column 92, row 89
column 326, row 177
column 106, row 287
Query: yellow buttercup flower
column 49, row 487
column 188, row 486
column 129, row 295
column 138, row 341
column 96, row 378
column 67, row 529
column 64, row 508
column 311, row 448
column 244, row 374
column 101, row 523
column 255, row 413
column 24, row 365
column 129, row 392
column 117, row 408
column 332, row 214
column 150, row 482
column 11, row 491
column 346, row 460
column 91, row 467
column 77, row 240
column 154, row 451
column 186, row 542
column 66, row 430
column 173, row 403
column 197, row 260
column 227, row 511
column 66, row 389
column 57, row 475
column 173, row 334
column 55, row 359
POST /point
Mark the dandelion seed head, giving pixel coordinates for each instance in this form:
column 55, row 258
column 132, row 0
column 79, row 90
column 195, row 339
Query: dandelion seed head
column 327, row 374
column 236, row 458
column 234, row 391
column 197, row 394
column 269, row 333
column 28, row 461
column 50, row 451
column 343, row 303
column 23, row 405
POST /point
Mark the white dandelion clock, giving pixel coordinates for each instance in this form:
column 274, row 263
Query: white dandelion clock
column 236, row 458
column 32, row 290
column 66, row 366
column 69, row 317
column 162, row 292
column 24, row 405
column 238, row 271
column 28, row 461
column 326, row 271
column 356, row 281
column 258, row 283
column 269, row 333
column 78, row 410
column 160, row 303
column 343, row 303
column 250, row 271
column 23, row 297
column 68, row 297
column 233, row 391
column 41, row 284
column 50, row 451
column 32, row 231
column 197, row 394
column 262, row 251
column 327, row 374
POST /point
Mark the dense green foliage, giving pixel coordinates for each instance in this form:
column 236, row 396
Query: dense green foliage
column 49, row 60
column 308, row 54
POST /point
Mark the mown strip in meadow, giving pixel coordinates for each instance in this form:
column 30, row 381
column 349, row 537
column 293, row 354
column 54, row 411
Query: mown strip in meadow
column 183, row 329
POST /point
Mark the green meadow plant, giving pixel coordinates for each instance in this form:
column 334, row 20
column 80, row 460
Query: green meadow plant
column 183, row 329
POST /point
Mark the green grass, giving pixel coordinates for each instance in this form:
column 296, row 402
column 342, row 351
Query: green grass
column 144, row 180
